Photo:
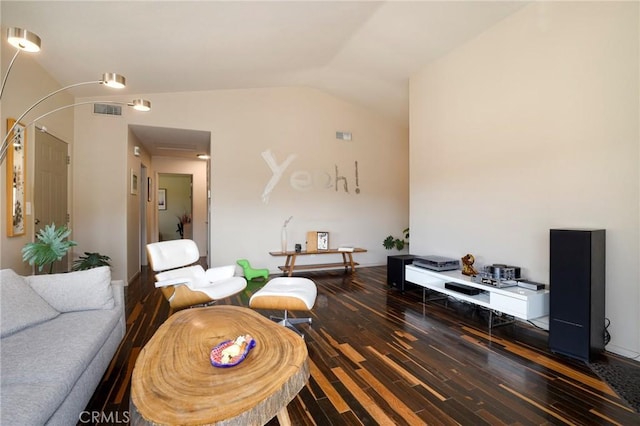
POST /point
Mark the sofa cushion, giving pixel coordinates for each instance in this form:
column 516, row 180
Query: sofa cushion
column 194, row 276
column 42, row 364
column 76, row 291
column 20, row 305
column 30, row 403
column 56, row 351
column 220, row 273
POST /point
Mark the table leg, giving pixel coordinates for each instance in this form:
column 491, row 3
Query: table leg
column 344, row 262
column 286, row 264
column 293, row 262
column 283, row 417
column 353, row 267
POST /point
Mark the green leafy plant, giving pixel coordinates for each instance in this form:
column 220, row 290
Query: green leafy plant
column 52, row 245
column 90, row 260
column 391, row 241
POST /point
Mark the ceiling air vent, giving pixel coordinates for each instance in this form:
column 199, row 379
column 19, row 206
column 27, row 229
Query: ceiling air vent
column 107, row 109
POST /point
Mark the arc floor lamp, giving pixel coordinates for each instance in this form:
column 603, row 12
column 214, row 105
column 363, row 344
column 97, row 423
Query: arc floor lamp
column 24, row 40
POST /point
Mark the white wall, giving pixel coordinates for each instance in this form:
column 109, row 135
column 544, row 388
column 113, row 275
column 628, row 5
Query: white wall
column 101, row 179
column 535, row 125
column 134, row 193
column 26, row 84
column 244, row 125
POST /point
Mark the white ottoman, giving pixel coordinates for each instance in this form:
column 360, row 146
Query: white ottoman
column 287, row 294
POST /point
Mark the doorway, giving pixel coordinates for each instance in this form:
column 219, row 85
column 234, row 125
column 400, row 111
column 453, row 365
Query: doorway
column 175, row 213
column 174, row 151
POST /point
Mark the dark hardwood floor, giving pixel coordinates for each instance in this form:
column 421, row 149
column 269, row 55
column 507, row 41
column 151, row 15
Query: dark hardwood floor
column 378, row 356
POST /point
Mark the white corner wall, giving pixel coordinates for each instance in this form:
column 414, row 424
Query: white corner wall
column 530, row 126
column 101, row 177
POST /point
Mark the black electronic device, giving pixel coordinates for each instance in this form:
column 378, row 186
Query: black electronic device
column 576, row 292
column 437, row 263
column 461, row 288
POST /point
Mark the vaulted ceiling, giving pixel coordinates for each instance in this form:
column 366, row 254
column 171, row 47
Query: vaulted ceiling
column 361, row 51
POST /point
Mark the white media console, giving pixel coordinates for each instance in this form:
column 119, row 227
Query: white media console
column 515, row 301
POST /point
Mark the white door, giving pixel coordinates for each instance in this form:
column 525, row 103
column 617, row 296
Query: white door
column 50, row 187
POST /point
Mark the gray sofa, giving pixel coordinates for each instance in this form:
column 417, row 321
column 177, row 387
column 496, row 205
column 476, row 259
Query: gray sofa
column 59, row 333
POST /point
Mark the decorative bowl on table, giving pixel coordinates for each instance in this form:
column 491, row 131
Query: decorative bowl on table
column 231, row 352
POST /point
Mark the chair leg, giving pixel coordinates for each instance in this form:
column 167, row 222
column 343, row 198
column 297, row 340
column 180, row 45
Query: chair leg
column 289, row 322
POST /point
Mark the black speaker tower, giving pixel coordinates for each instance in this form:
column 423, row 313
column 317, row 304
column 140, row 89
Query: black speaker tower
column 577, row 291
column 395, row 270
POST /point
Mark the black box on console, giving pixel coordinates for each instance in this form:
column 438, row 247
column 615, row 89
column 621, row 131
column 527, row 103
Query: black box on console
column 460, row 288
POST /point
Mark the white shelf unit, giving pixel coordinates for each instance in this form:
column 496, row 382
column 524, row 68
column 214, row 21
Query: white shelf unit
column 515, row 301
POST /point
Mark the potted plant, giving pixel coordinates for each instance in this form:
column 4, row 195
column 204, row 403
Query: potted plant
column 52, row 245
column 90, row 260
column 391, row 241
column 184, row 226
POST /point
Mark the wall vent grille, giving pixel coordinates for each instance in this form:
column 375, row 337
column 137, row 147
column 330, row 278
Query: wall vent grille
column 345, row 136
column 107, row 109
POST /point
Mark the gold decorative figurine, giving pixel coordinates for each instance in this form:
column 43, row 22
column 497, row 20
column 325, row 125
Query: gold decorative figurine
column 467, row 265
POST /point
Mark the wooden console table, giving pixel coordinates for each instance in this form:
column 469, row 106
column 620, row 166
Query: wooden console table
column 290, row 264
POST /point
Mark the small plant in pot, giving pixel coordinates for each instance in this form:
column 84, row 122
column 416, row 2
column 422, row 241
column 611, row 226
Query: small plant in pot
column 90, row 260
column 51, row 246
column 182, row 221
column 391, row 241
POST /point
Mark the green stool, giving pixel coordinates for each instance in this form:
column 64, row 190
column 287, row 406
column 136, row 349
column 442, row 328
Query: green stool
column 251, row 273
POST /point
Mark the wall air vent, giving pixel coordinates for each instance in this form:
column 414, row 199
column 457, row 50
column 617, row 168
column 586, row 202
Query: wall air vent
column 345, row 136
column 107, row 109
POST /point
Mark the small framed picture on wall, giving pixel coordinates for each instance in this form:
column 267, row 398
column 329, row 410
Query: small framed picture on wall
column 162, row 199
column 134, row 183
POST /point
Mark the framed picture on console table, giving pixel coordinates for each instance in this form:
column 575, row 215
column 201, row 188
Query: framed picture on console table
column 323, row 240
column 317, row 240
column 16, row 178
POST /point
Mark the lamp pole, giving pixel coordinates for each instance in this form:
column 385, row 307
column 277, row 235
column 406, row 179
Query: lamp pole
column 137, row 104
column 108, row 79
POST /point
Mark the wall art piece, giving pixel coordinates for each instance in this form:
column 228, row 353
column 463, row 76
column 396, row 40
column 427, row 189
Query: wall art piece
column 149, row 189
column 162, row 199
column 304, row 180
column 323, row 240
column 134, row 183
column 317, row 240
column 16, row 178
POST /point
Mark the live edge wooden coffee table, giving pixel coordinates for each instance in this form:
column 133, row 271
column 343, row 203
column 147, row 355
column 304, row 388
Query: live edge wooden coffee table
column 174, row 382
